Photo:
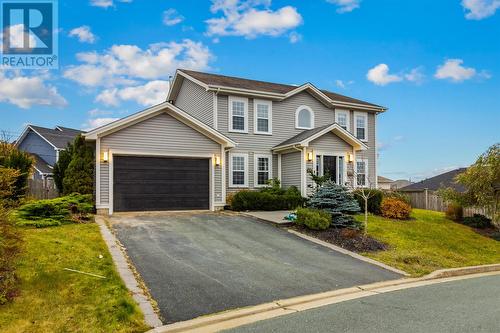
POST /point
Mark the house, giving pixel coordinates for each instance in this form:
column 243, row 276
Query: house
column 217, row 134
column 400, row 183
column 44, row 144
column 384, row 183
column 435, row 183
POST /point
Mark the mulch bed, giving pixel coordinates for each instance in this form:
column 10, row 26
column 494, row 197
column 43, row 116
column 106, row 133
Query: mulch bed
column 345, row 238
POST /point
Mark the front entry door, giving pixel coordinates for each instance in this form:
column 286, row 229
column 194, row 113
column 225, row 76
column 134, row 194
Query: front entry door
column 333, row 165
column 330, row 167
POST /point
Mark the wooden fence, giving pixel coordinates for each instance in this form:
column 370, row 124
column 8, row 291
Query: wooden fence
column 41, row 189
column 431, row 201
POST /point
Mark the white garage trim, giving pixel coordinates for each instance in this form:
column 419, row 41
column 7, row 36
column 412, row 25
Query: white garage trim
column 111, row 153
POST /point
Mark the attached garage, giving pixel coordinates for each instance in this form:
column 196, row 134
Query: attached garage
column 159, row 159
column 160, row 183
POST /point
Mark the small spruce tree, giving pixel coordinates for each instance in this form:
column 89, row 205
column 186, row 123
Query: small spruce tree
column 79, row 176
column 61, row 166
column 337, row 201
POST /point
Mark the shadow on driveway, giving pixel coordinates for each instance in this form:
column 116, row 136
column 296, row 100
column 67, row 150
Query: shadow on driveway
column 197, row 264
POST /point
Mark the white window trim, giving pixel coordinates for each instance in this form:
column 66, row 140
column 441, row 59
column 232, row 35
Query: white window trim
column 230, row 106
column 270, row 116
column 297, row 117
column 256, row 168
column 346, row 112
column 364, row 160
column 365, row 115
column 245, row 156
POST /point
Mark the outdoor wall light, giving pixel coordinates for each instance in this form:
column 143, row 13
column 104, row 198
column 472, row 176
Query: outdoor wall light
column 217, row 160
column 310, row 156
column 350, row 158
column 105, row 156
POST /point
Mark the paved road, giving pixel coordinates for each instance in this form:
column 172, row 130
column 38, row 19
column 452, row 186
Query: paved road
column 207, row 263
column 462, row 306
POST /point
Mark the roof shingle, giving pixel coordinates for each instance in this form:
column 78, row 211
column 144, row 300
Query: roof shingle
column 435, row 183
column 59, row 138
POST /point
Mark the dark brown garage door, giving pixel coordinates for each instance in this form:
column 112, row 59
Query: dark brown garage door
column 157, row 183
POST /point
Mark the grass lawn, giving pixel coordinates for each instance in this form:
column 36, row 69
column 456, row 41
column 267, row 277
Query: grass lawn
column 55, row 300
column 430, row 242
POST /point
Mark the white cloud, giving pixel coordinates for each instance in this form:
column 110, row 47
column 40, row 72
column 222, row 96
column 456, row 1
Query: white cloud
column 16, row 36
column 151, row 93
column 380, row 75
column 101, row 3
column 416, row 75
column 98, row 112
column 453, row 70
column 172, row 17
column 251, row 19
column 480, row 9
column 25, row 91
column 343, row 84
column 97, row 122
column 83, row 34
column 345, row 6
column 128, row 64
column 294, row 37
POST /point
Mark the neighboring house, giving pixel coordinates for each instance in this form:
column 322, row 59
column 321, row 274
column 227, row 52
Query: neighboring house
column 423, row 194
column 400, row 183
column 384, row 183
column 218, row 134
column 45, row 144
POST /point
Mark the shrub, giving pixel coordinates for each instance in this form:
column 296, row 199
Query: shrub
column 54, row 212
column 338, row 202
column 61, row 166
column 398, row 195
column 267, row 200
column 313, row 218
column 477, row 221
column 79, row 175
column 454, row 212
column 10, row 246
column 395, row 209
column 12, row 158
column 374, row 200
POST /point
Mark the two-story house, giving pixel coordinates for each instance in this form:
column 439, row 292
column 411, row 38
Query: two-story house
column 217, row 134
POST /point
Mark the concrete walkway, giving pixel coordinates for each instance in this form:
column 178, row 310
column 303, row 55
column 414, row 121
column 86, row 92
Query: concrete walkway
column 276, row 216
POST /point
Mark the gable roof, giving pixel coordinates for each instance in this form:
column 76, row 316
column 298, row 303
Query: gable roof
column 443, row 180
column 173, row 111
column 216, row 81
column 303, row 138
column 57, row 138
column 381, row 179
column 41, row 166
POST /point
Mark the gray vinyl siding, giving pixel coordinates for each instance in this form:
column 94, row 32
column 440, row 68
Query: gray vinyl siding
column 331, row 143
column 218, row 185
column 290, row 170
column 162, row 135
column 33, row 143
column 196, row 101
column 283, row 119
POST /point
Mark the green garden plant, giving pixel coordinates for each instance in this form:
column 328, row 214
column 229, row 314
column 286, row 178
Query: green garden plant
column 314, row 219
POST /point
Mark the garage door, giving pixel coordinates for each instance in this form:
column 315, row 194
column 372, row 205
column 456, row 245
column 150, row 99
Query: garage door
column 157, row 183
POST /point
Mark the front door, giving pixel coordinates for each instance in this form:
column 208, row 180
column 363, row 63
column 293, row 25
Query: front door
column 333, row 165
column 330, row 167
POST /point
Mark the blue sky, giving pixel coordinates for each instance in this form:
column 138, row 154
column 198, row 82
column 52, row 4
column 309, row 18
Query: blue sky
column 434, row 64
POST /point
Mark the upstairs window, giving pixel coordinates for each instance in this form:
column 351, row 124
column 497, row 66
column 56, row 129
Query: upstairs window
column 262, row 169
column 263, row 117
column 304, row 118
column 238, row 114
column 342, row 118
column 361, row 125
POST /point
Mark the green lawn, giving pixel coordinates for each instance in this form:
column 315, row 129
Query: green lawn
column 430, row 242
column 55, row 300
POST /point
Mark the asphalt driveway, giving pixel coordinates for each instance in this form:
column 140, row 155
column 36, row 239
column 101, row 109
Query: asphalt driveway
column 197, row 264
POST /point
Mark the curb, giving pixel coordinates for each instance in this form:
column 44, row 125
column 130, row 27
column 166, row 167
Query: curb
column 443, row 273
column 126, row 274
column 347, row 252
column 244, row 316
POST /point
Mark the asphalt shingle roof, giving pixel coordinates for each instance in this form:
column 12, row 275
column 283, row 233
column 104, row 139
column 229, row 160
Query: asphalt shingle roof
column 443, row 180
column 241, row 83
column 302, row 136
column 41, row 165
column 59, row 139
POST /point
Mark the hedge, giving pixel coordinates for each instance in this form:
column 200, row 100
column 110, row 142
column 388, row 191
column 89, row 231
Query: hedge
column 267, row 200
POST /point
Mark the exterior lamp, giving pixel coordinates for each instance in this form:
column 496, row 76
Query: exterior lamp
column 350, row 158
column 310, row 156
column 217, row 160
column 105, row 156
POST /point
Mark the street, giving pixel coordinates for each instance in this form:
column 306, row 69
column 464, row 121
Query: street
column 471, row 305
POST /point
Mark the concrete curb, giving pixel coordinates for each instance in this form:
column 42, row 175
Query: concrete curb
column 244, row 316
column 127, row 275
column 442, row 273
column 349, row 253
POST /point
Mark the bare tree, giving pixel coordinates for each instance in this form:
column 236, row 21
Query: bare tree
column 364, row 190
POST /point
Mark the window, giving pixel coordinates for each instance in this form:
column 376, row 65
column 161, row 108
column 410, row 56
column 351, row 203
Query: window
column 238, row 170
column 262, row 167
column 263, row 116
column 361, row 173
column 342, row 118
column 238, row 114
column 304, row 117
column 361, row 121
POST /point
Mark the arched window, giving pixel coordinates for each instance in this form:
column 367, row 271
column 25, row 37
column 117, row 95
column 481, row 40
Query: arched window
column 304, row 117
